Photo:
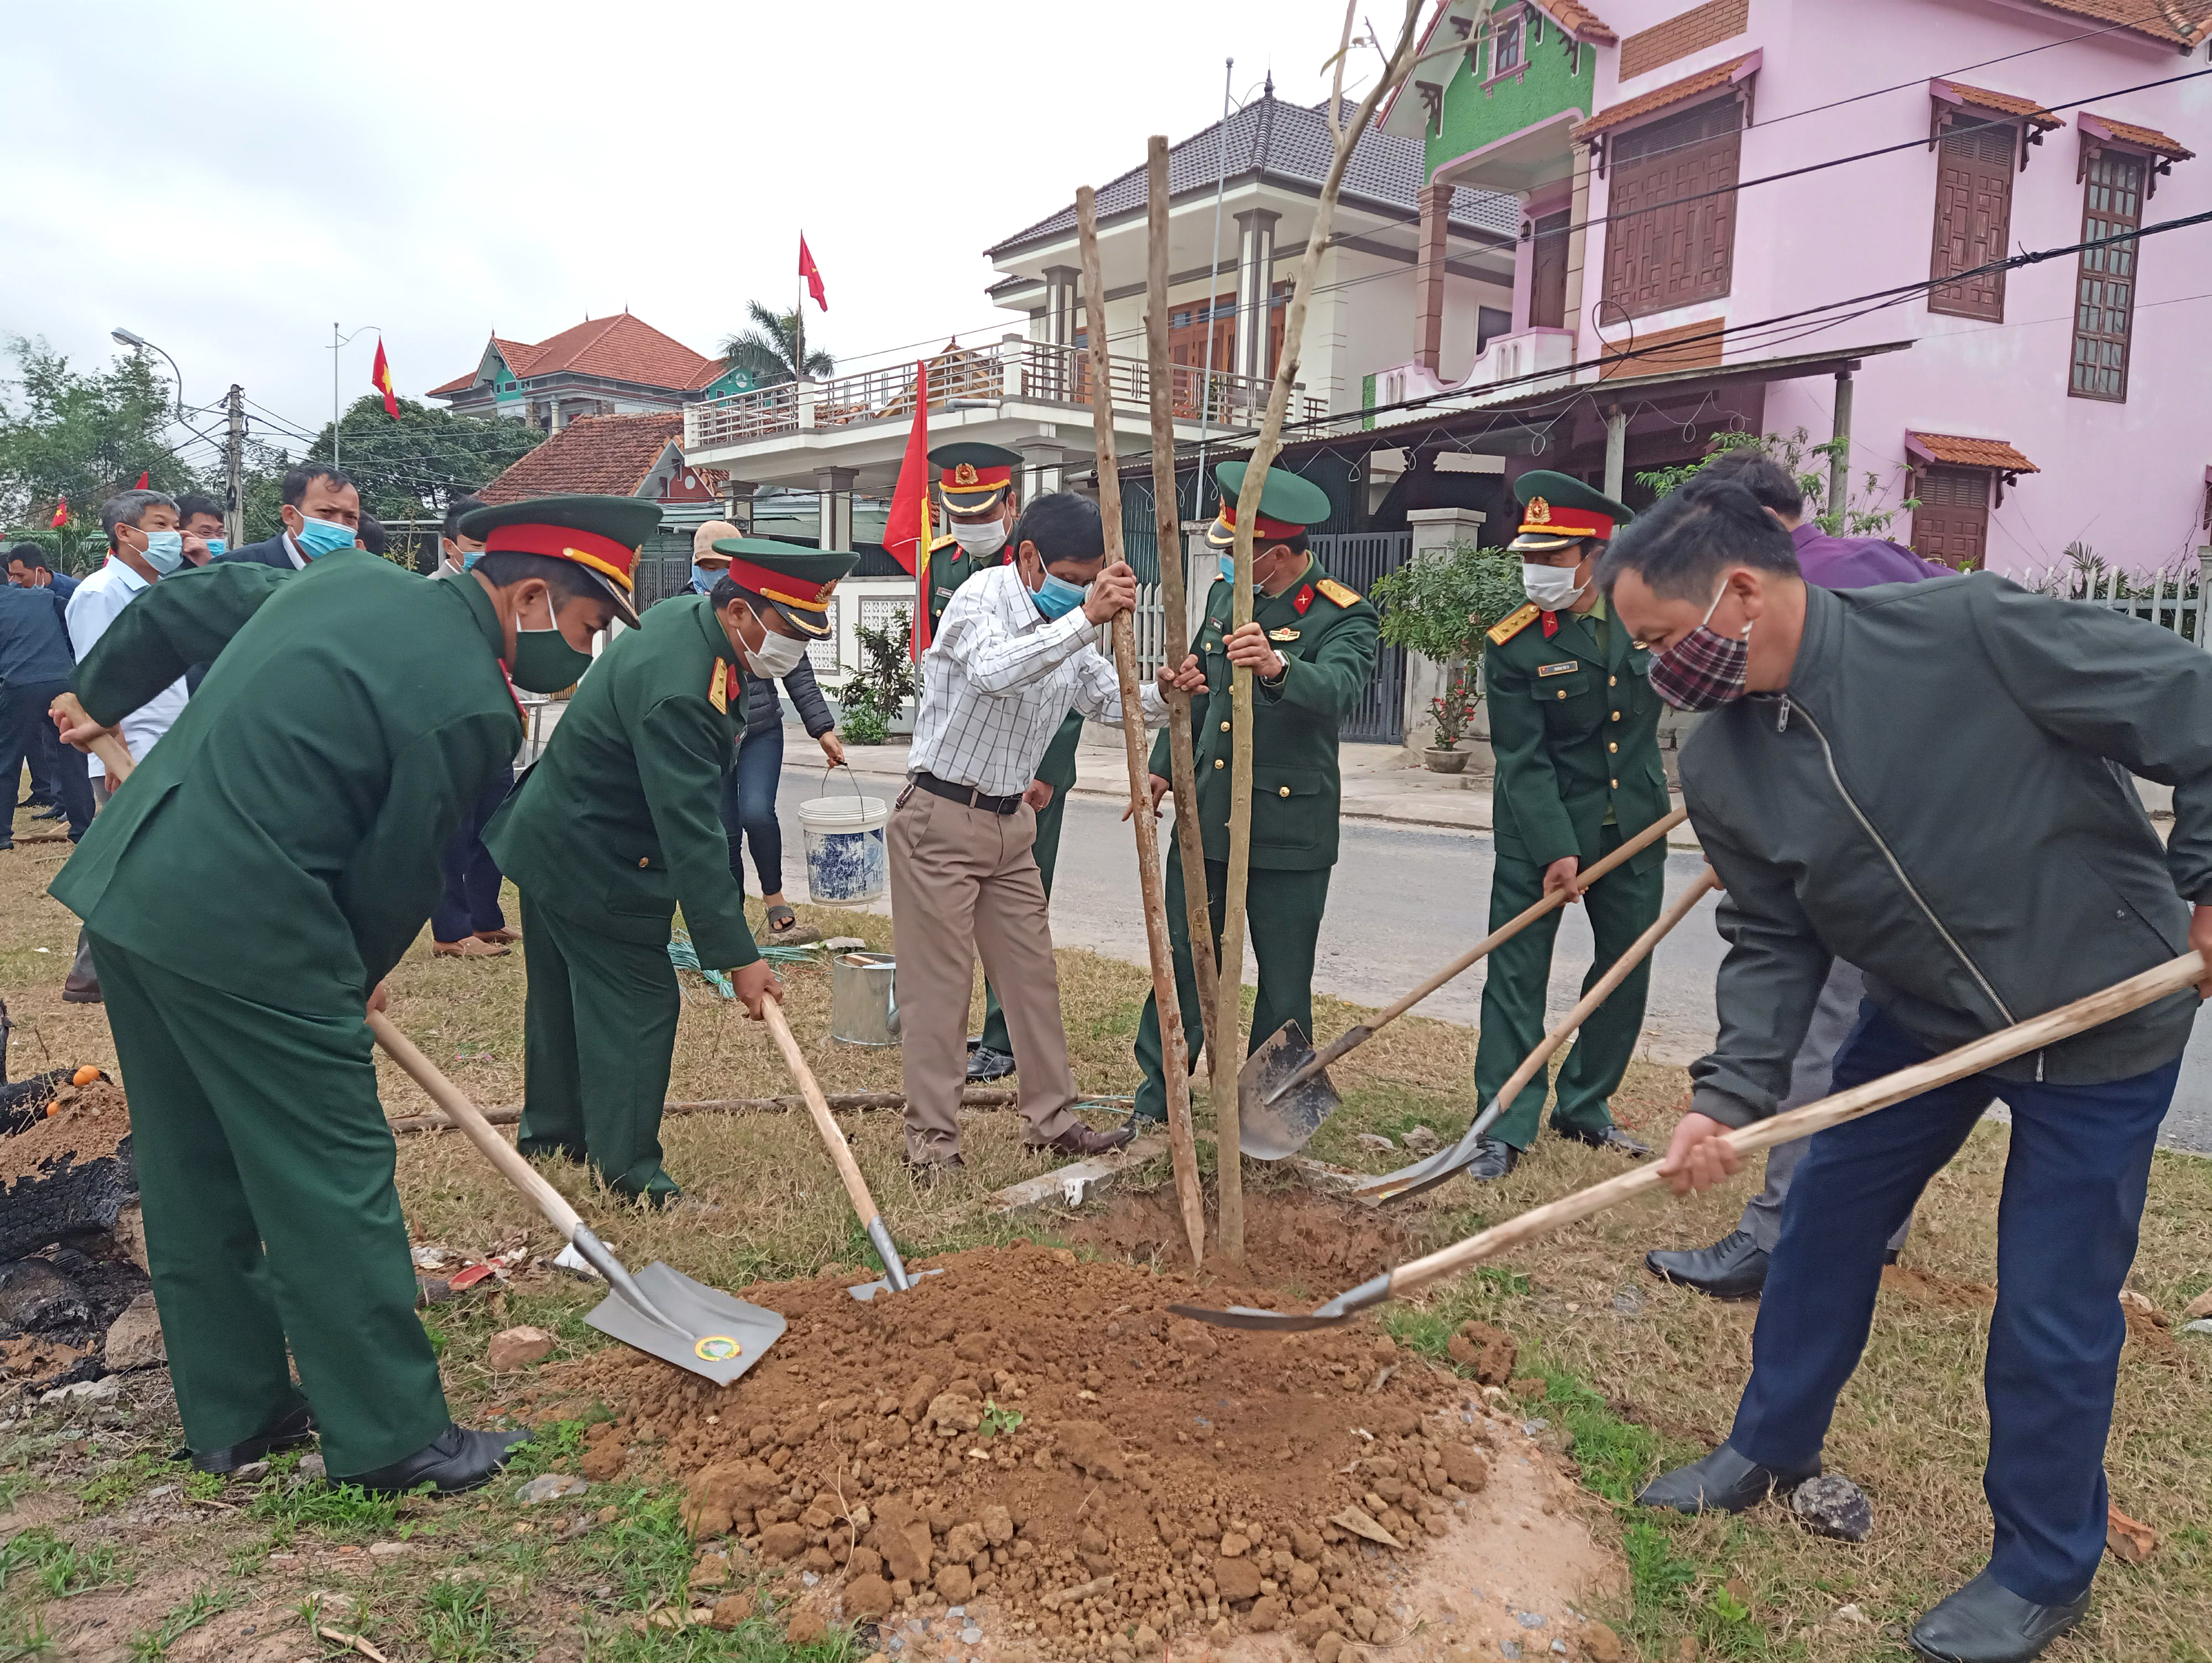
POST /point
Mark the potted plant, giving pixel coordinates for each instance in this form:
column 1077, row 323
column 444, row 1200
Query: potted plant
column 1450, row 714
column 1438, row 606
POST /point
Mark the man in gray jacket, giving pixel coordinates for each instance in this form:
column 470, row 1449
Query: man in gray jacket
column 1931, row 782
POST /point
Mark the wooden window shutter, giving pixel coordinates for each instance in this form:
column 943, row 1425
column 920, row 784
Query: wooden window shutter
column 1663, row 250
column 1952, row 524
column 2105, row 288
column 1973, row 218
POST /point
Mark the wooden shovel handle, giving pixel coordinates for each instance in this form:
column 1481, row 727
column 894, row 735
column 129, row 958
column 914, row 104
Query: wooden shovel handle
column 1969, row 1059
column 114, row 755
column 817, row 1106
column 466, row 1115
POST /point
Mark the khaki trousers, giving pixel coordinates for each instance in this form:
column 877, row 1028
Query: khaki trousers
column 965, row 885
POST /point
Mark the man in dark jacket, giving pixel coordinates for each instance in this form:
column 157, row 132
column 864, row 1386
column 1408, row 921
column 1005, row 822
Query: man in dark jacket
column 1931, row 783
column 1735, row 1267
column 28, row 568
column 321, row 513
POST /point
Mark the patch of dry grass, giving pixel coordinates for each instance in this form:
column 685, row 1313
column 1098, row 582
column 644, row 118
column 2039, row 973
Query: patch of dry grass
column 1648, row 1373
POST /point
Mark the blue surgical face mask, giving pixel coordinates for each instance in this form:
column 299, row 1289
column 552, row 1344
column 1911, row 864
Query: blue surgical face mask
column 704, row 578
column 164, row 551
column 469, row 559
column 318, row 538
column 217, row 546
column 1228, row 564
column 1059, row 596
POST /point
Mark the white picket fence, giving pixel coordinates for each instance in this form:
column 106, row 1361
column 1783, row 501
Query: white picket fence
column 1151, row 619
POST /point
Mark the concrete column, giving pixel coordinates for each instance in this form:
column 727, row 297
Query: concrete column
column 1429, row 278
column 1577, row 239
column 1256, row 284
column 1435, row 532
column 1616, row 451
column 834, row 488
column 1200, row 566
column 1044, row 470
column 1060, row 304
column 738, row 503
column 1840, row 462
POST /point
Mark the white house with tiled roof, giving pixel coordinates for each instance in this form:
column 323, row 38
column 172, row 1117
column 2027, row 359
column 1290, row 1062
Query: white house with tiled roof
column 617, row 365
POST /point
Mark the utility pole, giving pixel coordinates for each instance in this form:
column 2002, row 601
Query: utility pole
column 1839, row 457
column 234, row 468
column 334, row 345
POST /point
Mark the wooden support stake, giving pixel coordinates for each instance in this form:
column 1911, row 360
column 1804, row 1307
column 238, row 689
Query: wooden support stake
column 1174, row 1064
column 1175, row 603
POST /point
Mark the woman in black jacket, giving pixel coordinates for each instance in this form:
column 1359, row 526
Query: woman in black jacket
column 749, row 788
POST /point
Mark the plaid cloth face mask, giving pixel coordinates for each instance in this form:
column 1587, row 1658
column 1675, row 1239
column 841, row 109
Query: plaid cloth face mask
column 1704, row 669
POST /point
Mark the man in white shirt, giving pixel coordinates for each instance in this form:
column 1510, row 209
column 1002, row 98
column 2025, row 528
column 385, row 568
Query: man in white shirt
column 1015, row 651
column 144, row 542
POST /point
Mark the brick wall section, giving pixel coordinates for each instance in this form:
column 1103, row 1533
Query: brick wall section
column 1677, row 37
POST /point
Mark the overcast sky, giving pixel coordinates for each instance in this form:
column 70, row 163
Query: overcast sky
column 227, row 178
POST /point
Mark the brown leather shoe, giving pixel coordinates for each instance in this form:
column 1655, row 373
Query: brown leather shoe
column 928, row 1172
column 1080, row 1139
column 467, row 947
column 505, row 935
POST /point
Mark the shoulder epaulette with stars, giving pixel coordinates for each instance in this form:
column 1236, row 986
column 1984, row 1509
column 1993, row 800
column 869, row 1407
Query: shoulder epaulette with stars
column 718, row 694
column 944, row 542
column 1337, row 591
column 1513, row 623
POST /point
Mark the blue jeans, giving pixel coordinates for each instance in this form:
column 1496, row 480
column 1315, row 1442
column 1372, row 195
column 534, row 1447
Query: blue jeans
column 2074, row 1177
column 471, row 899
column 749, row 807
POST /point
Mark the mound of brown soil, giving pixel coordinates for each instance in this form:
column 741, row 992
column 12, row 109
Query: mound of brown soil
column 1040, row 1431
column 70, row 1173
column 84, row 1123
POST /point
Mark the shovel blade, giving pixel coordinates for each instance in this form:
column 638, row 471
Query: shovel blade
column 698, row 1328
column 866, row 1291
column 1272, row 1322
column 1272, row 1129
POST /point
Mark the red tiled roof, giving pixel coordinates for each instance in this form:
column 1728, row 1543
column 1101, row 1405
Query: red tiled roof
column 2172, row 20
column 621, row 348
column 1585, row 22
column 2146, row 138
column 2008, row 104
column 1660, row 97
column 1953, row 451
column 598, row 455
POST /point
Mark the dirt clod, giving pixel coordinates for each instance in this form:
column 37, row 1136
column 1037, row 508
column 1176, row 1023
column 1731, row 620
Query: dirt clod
column 1486, row 1352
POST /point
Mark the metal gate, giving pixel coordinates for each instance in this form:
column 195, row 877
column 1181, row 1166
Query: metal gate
column 1357, row 559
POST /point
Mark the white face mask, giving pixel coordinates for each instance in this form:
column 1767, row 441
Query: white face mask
column 984, row 537
column 776, row 656
column 1552, row 587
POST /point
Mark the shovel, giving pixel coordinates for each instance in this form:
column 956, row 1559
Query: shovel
column 1974, row 1058
column 1283, row 1091
column 1426, row 1174
column 895, row 1275
column 662, row 1312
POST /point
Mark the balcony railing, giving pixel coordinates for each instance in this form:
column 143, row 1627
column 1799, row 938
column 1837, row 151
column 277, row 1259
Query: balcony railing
column 1533, row 360
column 1030, row 371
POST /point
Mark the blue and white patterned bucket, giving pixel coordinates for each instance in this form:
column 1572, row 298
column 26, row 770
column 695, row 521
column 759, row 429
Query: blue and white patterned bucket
column 847, row 861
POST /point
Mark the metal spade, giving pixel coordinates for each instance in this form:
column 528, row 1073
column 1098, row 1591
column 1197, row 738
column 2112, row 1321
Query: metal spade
column 1972, row 1058
column 1276, row 1121
column 660, row 1311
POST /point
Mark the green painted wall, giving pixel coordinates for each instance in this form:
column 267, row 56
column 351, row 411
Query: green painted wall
column 1474, row 118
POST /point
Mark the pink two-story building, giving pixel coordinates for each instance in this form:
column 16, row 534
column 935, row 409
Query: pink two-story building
column 1775, row 214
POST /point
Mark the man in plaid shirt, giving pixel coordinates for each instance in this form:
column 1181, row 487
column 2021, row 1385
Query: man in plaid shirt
column 1017, row 651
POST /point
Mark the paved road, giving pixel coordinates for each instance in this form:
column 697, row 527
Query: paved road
column 1406, row 901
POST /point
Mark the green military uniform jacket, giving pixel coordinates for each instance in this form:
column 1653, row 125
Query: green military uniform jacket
column 1574, row 725
column 281, row 843
column 620, row 821
column 950, row 566
column 1328, row 637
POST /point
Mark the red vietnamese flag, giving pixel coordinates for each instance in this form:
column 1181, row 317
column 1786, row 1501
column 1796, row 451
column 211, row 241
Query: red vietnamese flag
column 380, row 377
column 907, row 530
column 61, row 512
column 145, row 480
column 812, row 273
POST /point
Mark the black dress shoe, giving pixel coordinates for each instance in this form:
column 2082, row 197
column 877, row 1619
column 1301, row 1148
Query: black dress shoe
column 458, row 1458
column 1733, row 1267
column 288, row 1433
column 1986, row 1622
column 1612, row 1138
column 1493, row 1159
column 985, row 1064
column 57, row 812
column 1724, row 1481
column 928, row 1172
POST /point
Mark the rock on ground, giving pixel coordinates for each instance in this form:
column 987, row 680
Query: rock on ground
column 1832, row 1505
column 549, row 1487
column 518, row 1347
column 134, row 1339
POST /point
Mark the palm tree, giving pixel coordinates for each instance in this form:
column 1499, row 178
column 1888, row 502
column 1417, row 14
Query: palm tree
column 765, row 350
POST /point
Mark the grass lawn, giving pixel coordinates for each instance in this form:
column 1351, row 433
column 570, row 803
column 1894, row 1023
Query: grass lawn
column 109, row 1553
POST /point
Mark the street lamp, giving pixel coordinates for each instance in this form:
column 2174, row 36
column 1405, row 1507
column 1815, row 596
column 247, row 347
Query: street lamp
column 125, row 338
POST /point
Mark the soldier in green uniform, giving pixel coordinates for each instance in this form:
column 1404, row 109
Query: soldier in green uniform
column 1311, row 647
column 976, row 485
column 1574, row 724
column 617, row 825
column 244, row 892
